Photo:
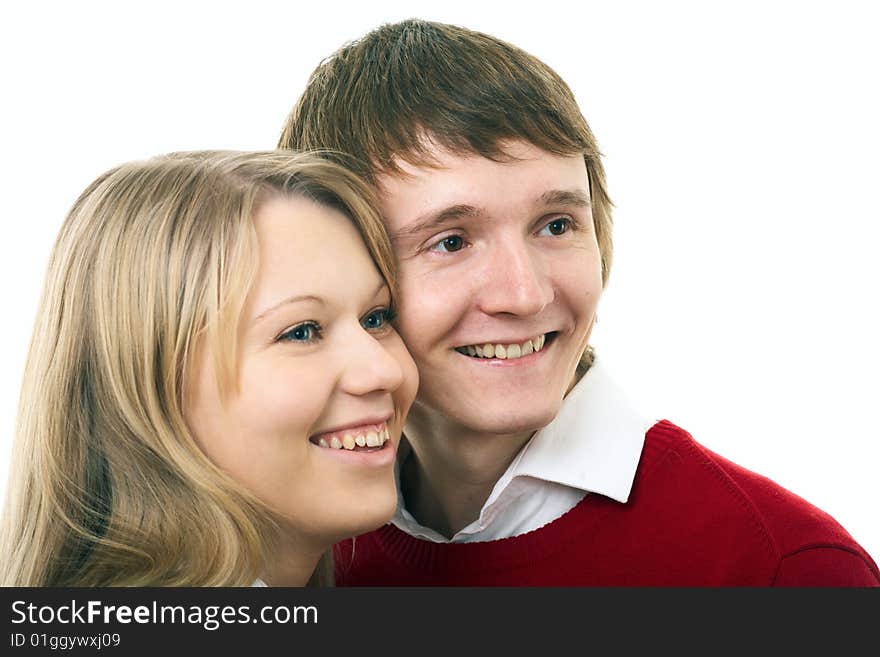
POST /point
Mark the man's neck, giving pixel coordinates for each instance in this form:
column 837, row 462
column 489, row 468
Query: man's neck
column 449, row 471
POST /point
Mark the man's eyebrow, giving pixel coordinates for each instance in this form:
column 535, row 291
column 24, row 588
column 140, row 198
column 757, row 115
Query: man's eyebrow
column 571, row 197
column 435, row 220
column 284, row 302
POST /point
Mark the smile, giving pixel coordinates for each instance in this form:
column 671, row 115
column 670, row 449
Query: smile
column 360, row 439
column 506, row 351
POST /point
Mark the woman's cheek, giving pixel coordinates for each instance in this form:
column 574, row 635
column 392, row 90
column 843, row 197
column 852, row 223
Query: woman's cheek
column 284, row 398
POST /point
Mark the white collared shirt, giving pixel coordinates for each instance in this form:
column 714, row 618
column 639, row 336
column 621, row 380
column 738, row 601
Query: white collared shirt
column 592, row 445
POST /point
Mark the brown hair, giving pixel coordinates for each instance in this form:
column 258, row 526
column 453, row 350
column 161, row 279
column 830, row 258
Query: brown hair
column 386, row 94
column 108, row 486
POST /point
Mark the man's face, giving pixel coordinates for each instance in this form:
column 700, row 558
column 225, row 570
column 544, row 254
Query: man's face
column 501, row 254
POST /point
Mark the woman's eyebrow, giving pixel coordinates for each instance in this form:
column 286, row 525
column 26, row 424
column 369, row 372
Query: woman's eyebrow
column 308, row 297
column 288, row 300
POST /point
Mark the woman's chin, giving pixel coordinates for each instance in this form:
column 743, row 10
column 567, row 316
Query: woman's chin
column 378, row 514
column 369, row 513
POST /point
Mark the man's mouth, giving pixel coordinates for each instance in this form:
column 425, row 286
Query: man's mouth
column 507, row 351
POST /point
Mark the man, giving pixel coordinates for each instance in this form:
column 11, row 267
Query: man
column 523, row 463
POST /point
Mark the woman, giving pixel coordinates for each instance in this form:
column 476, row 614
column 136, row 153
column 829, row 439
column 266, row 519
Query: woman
column 214, row 393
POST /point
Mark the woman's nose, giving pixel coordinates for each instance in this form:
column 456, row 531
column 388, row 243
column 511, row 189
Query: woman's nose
column 369, row 366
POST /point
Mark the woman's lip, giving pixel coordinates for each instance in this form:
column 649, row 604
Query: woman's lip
column 360, row 424
column 381, row 457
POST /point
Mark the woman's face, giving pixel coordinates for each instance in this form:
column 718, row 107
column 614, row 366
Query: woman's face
column 323, row 380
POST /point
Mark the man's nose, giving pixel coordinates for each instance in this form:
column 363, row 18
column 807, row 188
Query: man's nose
column 515, row 280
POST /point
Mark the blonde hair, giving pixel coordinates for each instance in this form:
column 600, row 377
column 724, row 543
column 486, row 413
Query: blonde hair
column 108, row 487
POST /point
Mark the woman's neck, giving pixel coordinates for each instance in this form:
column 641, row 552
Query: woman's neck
column 292, row 563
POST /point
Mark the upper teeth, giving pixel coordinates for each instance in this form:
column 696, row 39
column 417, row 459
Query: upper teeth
column 504, row 351
column 360, row 438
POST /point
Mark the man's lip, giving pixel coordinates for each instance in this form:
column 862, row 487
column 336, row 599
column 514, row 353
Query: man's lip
column 377, row 419
column 549, row 339
column 505, row 341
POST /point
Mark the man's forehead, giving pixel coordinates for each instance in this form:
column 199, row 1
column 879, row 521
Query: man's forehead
column 431, row 152
column 410, row 166
column 443, row 172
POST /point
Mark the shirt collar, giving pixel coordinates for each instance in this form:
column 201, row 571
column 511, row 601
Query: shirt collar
column 593, row 444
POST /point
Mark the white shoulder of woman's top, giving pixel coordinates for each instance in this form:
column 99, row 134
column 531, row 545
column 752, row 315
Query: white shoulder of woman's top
column 259, row 582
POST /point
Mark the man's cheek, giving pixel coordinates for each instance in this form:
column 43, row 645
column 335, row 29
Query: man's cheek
column 417, row 312
column 406, row 326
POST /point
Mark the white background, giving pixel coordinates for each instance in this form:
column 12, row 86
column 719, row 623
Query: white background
column 741, row 143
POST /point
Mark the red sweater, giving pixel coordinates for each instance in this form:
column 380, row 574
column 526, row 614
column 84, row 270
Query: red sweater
column 693, row 519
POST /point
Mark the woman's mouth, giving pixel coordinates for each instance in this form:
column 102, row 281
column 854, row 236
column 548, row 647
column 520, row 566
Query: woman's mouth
column 367, row 438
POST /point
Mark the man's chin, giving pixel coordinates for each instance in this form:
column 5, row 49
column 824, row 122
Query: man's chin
column 507, row 421
column 469, row 409
column 516, row 425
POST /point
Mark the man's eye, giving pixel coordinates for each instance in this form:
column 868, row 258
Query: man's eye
column 558, row 226
column 305, row 332
column 448, row 244
column 377, row 319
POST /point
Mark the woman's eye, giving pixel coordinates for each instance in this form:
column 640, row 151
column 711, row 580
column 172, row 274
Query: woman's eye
column 448, row 244
column 377, row 319
column 558, row 226
column 305, row 332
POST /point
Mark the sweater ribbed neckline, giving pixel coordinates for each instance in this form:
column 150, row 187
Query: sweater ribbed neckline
column 542, row 543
